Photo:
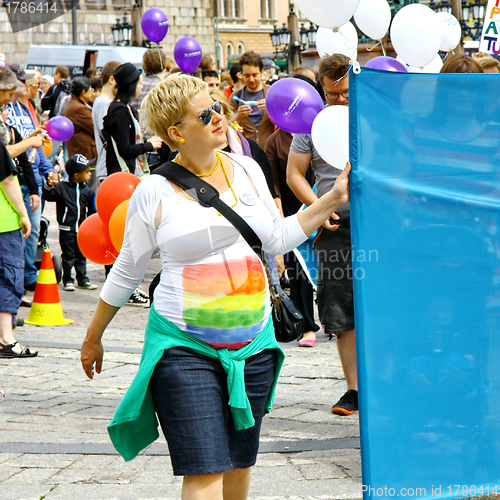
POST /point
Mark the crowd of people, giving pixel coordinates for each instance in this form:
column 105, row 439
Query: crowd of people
column 215, row 125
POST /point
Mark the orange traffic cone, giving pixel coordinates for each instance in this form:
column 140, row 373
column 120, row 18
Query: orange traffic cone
column 46, row 307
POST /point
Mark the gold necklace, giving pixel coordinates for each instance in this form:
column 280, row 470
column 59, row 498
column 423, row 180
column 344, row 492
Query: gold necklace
column 229, row 184
column 208, row 174
column 219, row 160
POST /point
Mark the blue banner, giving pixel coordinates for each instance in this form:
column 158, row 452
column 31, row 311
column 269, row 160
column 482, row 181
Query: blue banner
column 425, row 212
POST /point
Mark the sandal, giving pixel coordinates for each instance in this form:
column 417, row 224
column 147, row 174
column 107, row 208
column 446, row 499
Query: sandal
column 8, row 352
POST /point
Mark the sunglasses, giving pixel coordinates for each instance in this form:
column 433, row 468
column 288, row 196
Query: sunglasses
column 206, row 114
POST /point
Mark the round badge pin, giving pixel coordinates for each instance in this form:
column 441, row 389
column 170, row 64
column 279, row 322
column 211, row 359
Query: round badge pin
column 248, row 199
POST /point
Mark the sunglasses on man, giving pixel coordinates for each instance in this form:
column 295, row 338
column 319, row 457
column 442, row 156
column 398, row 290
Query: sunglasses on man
column 206, row 114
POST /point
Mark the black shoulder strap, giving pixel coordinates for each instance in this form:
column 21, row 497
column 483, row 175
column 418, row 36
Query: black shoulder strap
column 208, row 196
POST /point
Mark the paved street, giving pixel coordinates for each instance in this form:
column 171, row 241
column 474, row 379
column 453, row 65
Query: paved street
column 54, row 443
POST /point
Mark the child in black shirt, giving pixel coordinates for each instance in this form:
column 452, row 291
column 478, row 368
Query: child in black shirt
column 75, row 202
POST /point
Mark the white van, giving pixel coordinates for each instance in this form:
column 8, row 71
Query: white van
column 78, row 58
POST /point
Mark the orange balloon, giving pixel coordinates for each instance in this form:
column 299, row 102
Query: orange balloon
column 117, row 224
column 94, row 241
column 47, row 147
column 115, row 189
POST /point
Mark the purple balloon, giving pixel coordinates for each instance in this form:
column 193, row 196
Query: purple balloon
column 187, row 54
column 293, row 104
column 154, row 24
column 60, row 128
column 387, row 64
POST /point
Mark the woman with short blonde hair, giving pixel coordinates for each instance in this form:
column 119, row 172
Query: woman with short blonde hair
column 210, row 360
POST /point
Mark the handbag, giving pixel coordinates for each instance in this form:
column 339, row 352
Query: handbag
column 287, row 319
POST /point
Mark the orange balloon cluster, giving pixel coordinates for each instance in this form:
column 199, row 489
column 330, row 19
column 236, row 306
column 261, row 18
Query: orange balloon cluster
column 100, row 236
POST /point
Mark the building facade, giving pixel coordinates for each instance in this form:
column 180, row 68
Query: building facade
column 239, row 26
column 243, row 25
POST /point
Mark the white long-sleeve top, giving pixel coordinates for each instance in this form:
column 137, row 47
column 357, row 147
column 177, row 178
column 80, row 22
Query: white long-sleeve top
column 212, row 284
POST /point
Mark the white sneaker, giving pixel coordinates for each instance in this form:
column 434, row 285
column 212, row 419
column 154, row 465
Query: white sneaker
column 87, row 286
column 69, row 287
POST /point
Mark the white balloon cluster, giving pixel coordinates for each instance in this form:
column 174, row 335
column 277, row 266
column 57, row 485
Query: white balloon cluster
column 417, row 35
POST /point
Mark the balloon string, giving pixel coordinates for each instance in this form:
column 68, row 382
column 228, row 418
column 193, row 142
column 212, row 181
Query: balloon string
column 383, row 48
column 341, row 78
column 109, row 252
column 378, row 43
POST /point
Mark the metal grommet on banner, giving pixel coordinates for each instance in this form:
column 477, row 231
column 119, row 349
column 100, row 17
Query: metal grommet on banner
column 356, row 68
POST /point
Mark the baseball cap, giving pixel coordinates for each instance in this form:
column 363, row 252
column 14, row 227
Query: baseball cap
column 18, row 70
column 269, row 63
column 76, row 164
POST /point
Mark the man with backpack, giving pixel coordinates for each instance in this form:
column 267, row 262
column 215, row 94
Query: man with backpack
column 53, row 97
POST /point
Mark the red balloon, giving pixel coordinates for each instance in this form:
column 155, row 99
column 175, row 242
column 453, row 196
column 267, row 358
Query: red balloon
column 94, row 241
column 114, row 190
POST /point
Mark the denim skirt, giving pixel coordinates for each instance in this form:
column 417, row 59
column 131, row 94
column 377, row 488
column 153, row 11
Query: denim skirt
column 191, row 400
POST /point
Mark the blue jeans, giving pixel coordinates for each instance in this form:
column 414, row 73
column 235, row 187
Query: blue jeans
column 31, row 243
column 11, row 271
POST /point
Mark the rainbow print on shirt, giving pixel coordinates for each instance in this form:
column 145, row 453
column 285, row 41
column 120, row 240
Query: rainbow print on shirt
column 224, row 302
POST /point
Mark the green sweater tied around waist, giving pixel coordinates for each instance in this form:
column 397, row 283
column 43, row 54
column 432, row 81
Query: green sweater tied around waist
column 135, row 426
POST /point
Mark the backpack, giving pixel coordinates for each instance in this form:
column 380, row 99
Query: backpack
column 61, row 103
column 62, row 99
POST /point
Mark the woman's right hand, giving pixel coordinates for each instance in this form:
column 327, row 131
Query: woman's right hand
column 156, row 142
column 340, row 189
column 91, row 352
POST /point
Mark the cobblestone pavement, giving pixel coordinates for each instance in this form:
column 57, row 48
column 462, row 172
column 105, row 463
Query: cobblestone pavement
column 54, row 443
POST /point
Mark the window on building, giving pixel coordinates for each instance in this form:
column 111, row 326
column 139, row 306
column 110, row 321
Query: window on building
column 221, row 54
column 241, row 48
column 95, row 4
column 122, row 4
column 229, row 49
column 226, row 8
column 266, row 9
column 237, row 8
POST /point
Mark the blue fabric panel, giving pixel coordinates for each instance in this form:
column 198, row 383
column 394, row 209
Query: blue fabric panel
column 425, row 212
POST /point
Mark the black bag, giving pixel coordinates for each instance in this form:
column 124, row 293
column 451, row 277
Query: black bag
column 287, row 319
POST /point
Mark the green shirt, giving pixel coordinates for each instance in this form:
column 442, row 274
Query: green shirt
column 135, row 426
column 9, row 218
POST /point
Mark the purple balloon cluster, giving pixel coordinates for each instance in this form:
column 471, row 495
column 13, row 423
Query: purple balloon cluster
column 387, row 64
column 154, row 24
column 187, row 54
column 293, row 104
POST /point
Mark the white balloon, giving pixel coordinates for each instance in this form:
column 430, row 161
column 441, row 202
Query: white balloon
column 450, row 31
column 373, row 18
column 344, row 41
column 416, row 34
column 433, row 67
column 327, row 13
column 330, row 135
